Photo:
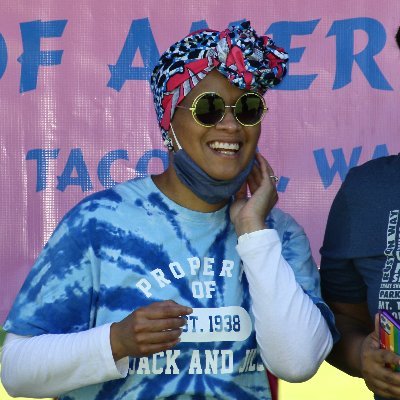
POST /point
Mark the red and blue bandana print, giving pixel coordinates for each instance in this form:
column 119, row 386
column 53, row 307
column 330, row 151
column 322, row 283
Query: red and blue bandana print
column 249, row 61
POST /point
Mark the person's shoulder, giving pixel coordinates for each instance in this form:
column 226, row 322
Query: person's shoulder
column 295, row 243
column 104, row 200
column 115, row 195
column 278, row 216
column 367, row 178
column 376, row 167
column 283, row 222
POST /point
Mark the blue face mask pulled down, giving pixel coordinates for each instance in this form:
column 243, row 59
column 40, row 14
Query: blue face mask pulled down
column 211, row 190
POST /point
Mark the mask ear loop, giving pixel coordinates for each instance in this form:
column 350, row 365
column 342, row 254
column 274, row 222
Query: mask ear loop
column 168, row 144
column 176, row 140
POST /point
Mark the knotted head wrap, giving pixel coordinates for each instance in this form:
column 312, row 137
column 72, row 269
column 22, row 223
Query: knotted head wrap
column 247, row 60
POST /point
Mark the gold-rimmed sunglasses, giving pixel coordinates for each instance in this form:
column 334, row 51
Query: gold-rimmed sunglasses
column 209, row 108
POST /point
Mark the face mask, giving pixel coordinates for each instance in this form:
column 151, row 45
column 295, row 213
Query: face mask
column 203, row 185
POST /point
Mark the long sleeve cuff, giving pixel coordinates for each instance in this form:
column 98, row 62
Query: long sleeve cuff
column 51, row 364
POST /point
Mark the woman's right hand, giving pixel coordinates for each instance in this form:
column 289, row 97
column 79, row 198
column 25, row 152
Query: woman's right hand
column 380, row 379
column 249, row 214
column 148, row 330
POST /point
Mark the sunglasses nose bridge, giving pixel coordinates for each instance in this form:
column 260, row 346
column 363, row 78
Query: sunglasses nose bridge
column 232, row 110
column 229, row 117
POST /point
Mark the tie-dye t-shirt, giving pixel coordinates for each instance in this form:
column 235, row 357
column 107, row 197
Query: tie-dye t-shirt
column 129, row 246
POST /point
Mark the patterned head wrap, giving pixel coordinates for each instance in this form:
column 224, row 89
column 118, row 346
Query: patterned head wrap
column 247, row 60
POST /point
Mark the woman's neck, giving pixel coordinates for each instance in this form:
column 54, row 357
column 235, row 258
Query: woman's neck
column 169, row 184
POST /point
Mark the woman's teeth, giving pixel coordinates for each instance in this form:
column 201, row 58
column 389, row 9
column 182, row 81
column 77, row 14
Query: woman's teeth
column 225, row 148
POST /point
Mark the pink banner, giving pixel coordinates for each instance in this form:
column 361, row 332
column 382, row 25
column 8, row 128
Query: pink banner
column 77, row 115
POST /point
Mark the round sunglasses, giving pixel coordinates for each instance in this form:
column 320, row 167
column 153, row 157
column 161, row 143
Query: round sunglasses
column 209, row 108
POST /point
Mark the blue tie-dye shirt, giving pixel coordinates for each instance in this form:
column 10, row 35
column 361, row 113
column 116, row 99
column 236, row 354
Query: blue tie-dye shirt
column 129, row 246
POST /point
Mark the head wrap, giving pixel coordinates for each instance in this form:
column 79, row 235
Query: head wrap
column 247, row 60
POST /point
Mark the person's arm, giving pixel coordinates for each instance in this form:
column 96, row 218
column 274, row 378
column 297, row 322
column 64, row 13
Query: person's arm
column 51, row 364
column 292, row 334
column 358, row 354
column 354, row 323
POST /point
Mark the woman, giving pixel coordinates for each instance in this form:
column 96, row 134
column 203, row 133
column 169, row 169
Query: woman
column 177, row 286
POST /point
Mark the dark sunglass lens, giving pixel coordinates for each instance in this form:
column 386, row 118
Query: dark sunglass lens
column 249, row 109
column 210, row 109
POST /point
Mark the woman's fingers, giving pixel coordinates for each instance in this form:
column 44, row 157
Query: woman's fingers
column 159, row 337
column 164, row 309
column 148, row 329
column 242, row 192
column 159, row 325
column 378, row 377
column 264, row 170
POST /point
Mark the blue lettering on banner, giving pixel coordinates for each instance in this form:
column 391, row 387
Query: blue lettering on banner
column 340, row 165
column 140, row 37
column 42, row 158
column 104, row 166
column 282, row 33
column 142, row 166
column 345, row 57
column 76, row 165
column 32, row 57
column 198, row 25
column 380, row 151
column 3, row 56
column 282, row 184
column 75, row 162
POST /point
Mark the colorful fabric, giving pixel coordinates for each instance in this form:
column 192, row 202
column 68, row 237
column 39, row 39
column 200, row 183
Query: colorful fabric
column 249, row 61
column 99, row 266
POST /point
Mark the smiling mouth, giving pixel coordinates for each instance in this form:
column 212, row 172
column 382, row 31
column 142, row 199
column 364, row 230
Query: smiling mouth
column 225, row 148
